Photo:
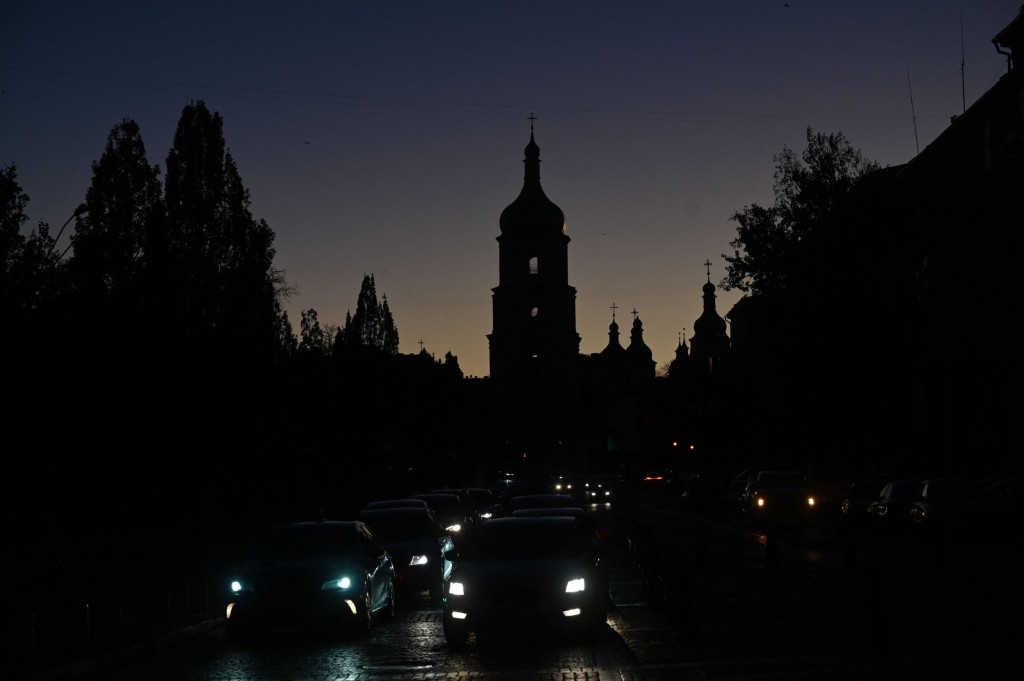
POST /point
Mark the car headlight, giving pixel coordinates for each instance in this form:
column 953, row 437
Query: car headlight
column 486, row 514
column 810, row 501
column 340, row 584
column 419, row 560
column 456, row 589
column 238, row 586
column 575, row 586
column 454, row 528
column 760, row 502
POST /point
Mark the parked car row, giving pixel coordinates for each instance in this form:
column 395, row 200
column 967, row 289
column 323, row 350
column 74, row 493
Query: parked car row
column 878, row 500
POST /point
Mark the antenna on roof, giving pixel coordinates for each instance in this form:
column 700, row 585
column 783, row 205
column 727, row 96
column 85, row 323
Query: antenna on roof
column 912, row 113
column 963, row 93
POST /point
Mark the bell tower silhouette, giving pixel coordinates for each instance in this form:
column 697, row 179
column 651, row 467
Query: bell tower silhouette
column 534, row 346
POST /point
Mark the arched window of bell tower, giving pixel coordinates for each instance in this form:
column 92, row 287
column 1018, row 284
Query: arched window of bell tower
column 533, row 265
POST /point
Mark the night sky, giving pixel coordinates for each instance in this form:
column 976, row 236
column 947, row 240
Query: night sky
column 387, row 137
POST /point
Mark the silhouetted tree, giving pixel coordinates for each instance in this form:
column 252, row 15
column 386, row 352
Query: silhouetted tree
column 119, row 240
column 286, row 335
column 312, row 339
column 29, row 265
column 806, row 188
column 372, row 326
column 229, row 292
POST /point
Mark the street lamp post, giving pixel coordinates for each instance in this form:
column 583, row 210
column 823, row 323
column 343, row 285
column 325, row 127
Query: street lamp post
column 80, row 210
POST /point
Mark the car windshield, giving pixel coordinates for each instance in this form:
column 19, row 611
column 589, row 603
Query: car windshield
column 401, row 528
column 445, row 504
column 516, row 540
column 306, row 542
column 780, row 479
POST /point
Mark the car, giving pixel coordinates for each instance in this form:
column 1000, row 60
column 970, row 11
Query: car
column 452, row 513
column 780, row 496
column 319, row 576
column 538, row 501
column 890, row 512
column 705, row 490
column 526, row 574
column 417, row 543
column 487, row 503
column 596, row 489
column 951, row 503
column 736, row 492
column 657, row 478
column 857, row 496
column 468, row 503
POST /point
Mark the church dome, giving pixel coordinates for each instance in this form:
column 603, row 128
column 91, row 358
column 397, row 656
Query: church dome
column 532, row 212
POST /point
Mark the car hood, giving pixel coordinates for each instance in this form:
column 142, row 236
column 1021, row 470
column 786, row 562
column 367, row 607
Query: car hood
column 408, row 547
column 328, row 568
column 521, row 573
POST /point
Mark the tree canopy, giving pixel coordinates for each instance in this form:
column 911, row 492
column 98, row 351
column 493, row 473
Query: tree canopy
column 227, row 289
column 372, row 326
column 29, row 265
column 806, row 189
column 118, row 232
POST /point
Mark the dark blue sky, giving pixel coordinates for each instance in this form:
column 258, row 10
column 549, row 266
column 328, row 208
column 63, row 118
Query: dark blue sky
column 387, row 137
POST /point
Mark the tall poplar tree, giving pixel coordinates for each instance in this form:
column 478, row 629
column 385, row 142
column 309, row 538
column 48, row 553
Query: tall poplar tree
column 118, row 240
column 228, row 291
column 372, row 326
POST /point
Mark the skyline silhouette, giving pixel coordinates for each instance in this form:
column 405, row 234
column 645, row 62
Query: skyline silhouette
column 387, row 140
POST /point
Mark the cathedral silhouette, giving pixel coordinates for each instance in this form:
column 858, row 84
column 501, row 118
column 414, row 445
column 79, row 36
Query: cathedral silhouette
column 550, row 405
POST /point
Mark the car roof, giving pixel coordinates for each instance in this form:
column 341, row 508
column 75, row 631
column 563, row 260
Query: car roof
column 539, row 521
column 550, row 511
column 396, row 503
column 396, row 512
column 445, row 504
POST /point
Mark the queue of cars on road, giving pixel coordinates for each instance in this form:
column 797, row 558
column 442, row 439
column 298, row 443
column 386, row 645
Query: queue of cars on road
column 486, row 560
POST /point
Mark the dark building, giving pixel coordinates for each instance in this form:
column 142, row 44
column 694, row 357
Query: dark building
column 901, row 338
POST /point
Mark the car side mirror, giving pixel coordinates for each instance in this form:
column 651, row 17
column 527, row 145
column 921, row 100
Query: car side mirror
column 452, row 555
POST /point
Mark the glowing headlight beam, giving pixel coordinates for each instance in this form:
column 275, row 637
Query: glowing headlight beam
column 575, row 586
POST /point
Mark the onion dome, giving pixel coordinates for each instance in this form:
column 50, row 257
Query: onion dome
column 637, row 348
column 614, row 348
column 532, row 212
